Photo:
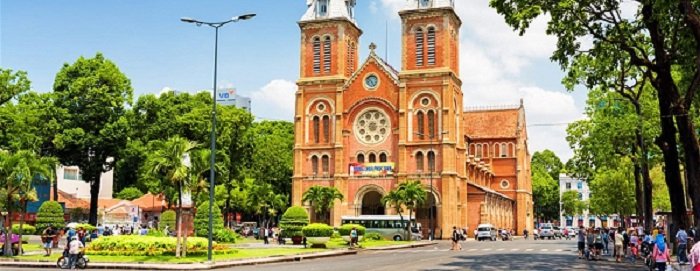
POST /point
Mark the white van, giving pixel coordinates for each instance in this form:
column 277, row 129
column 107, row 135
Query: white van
column 486, row 232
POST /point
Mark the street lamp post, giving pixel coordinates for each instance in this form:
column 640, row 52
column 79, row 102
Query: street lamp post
column 216, row 26
column 431, row 225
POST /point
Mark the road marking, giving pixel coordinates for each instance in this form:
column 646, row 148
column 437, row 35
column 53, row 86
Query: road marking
column 529, row 249
column 514, row 249
column 544, row 249
column 472, row 249
column 500, row 249
column 486, row 249
column 559, row 250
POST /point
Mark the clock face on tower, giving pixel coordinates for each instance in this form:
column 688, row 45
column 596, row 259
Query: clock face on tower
column 371, row 81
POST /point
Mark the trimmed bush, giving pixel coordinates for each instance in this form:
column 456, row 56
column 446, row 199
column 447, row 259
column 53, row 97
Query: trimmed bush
column 26, row 229
column 167, row 218
column 129, row 193
column 87, row 227
column 135, row 245
column 155, row 233
column 50, row 214
column 293, row 221
column 374, row 236
column 345, row 229
column 226, row 236
column 201, row 220
column 317, row 230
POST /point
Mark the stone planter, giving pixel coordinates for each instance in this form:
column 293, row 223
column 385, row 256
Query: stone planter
column 346, row 238
column 317, row 240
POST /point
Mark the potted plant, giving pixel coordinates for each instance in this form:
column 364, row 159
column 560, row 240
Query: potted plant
column 292, row 222
column 345, row 230
column 317, row 233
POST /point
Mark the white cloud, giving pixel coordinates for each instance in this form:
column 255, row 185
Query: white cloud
column 492, row 62
column 275, row 100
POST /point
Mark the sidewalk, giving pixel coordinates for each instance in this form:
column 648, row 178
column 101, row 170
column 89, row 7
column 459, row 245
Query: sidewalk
column 217, row 265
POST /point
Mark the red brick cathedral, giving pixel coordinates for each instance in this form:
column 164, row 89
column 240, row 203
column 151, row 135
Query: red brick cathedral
column 364, row 127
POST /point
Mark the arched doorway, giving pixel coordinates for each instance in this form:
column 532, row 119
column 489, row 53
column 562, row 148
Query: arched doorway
column 372, row 203
column 423, row 215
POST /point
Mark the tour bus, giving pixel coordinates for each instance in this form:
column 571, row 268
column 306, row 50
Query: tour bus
column 389, row 227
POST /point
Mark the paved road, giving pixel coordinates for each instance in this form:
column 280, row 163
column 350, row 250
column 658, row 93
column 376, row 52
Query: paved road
column 510, row 255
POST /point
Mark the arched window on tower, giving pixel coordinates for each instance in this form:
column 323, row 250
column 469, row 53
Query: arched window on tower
column 479, row 151
column 382, row 158
column 431, row 161
column 421, row 124
column 372, row 158
column 327, row 55
column 504, row 150
column 317, row 124
column 431, row 45
column 317, row 55
column 314, row 165
column 326, row 129
column 419, row 161
column 361, row 158
column 431, row 124
column 419, row 47
column 325, row 161
column 322, row 7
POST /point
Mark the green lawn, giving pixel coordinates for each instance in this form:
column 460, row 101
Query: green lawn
column 32, row 247
column 241, row 254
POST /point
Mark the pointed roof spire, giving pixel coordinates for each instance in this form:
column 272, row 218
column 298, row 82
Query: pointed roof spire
column 425, row 4
column 372, row 47
column 329, row 9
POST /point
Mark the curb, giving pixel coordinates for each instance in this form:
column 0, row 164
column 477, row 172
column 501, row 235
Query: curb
column 423, row 244
column 184, row 266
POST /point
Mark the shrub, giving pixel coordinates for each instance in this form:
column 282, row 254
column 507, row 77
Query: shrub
column 293, row 220
column 226, row 236
column 50, row 214
column 335, row 235
column 135, row 245
column 345, row 229
column 201, row 220
column 317, row 230
column 26, row 229
column 374, row 236
column 87, row 227
column 167, row 218
column 129, row 193
column 155, row 233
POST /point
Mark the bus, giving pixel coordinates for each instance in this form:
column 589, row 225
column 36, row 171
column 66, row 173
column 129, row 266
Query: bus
column 390, row 227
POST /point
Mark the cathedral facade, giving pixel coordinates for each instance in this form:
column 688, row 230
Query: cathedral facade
column 364, row 127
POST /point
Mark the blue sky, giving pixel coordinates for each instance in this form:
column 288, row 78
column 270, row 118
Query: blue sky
column 260, row 57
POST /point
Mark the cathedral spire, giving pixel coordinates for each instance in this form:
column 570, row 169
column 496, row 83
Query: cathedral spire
column 329, row 9
column 424, row 4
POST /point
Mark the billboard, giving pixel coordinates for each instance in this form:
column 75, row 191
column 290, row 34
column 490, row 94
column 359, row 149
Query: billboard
column 372, row 169
column 226, row 95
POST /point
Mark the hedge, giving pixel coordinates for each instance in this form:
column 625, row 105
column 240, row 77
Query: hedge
column 293, row 220
column 50, row 214
column 26, row 229
column 167, row 218
column 201, row 220
column 226, row 236
column 317, row 230
column 137, row 245
column 344, row 230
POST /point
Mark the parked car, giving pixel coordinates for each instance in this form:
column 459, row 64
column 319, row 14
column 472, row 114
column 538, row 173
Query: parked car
column 571, row 231
column 546, row 231
column 557, row 232
column 486, row 232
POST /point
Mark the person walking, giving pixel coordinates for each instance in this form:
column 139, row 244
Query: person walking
column 618, row 246
column 265, row 235
column 353, row 237
column 581, row 236
column 660, row 254
column 455, row 239
column 74, row 248
column 682, row 240
column 47, row 239
column 606, row 240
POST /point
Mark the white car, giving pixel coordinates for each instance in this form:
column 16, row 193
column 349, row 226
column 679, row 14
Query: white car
column 546, row 231
column 571, row 231
column 486, row 232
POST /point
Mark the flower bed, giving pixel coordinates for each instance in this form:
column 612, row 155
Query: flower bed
column 135, row 245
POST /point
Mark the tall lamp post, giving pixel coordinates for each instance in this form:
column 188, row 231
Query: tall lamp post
column 431, row 225
column 216, row 26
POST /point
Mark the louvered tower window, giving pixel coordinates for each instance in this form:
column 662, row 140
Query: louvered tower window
column 419, row 161
column 314, row 165
column 421, row 125
column 317, row 55
column 317, row 125
column 431, row 124
column 327, row 55
column 419, row 47
column 431, row 46
column 326, row 129
column 325, row 161
column 431, row 161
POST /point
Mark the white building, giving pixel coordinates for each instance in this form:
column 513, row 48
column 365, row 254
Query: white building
column 70, row 181
column 567, row 183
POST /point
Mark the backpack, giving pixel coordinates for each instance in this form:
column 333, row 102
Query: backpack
column 455, row 236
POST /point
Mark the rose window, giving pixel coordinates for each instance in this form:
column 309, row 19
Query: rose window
column 372, row 127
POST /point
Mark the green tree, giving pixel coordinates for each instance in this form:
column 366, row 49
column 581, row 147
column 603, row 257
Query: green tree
column 661, row 201
column 129, row 193
column 12, row 84
column 201, row 219
column 167, row 163
column 322, row 199
column 168, row 218
column 652, row 44
column 408, row 194
column 94, row 93
column 50, row 214
column 545, row 188
column 571, row 205
column 612, row 190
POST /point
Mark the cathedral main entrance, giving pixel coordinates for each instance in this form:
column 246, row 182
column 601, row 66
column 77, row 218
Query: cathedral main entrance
column 423, row 215
column 372, row 203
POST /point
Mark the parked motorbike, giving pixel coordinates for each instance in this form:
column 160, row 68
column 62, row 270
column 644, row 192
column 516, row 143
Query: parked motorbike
column 80, row 263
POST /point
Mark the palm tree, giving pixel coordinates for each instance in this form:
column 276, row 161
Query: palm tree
column 409, row 194
column 322, row 199
column 168, row 160
column 395, row 200
column 16, row 173
column 197, row 182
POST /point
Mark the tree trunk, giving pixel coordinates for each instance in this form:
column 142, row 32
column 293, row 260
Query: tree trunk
column 94, row 196
column 179, row 221
column 55, row 190
column 184, row 240
column 408, row 229
column 21, row 225
column 638, row 185
column 8, row 231
column 691, row 150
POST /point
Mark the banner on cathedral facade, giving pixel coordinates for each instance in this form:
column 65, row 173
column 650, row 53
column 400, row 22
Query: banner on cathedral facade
column 372, row 169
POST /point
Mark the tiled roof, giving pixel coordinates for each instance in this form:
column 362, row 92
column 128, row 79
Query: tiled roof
column 150, row 202
column 71, row 201
column 497, row 123
column 489, row 190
